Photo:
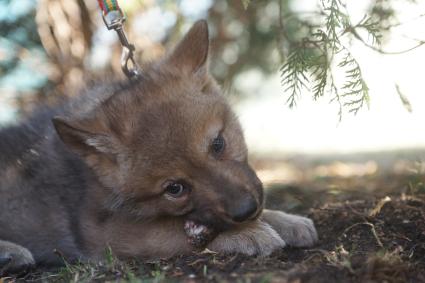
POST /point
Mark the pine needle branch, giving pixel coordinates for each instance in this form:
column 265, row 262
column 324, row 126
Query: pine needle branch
column 354, row 88
column 310, row 65
column 294, row 75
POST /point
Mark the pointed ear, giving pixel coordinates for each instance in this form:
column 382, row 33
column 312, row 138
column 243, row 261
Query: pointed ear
column 191, row 54
column 82, row 136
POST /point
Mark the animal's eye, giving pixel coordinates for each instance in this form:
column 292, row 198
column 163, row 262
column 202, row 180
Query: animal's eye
column 218, row 145
column 175, row 189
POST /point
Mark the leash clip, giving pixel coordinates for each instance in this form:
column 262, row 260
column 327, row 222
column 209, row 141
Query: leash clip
column 115, row 20
column 128, row 65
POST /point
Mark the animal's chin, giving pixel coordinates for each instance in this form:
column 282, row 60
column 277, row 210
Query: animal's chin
column 199, row 235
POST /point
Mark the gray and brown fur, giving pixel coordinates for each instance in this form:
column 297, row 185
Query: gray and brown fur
column 94, row 178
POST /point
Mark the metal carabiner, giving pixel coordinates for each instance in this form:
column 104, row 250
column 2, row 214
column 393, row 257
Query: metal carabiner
column 114, row 20
column 126, row 59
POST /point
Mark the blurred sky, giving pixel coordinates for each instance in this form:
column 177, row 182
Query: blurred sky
column 313, row 126
column 24, row 72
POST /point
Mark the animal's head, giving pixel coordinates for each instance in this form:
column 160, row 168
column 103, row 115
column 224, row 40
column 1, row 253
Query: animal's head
column 168, row 144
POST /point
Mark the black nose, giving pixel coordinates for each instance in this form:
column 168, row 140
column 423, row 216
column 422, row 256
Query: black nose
column 243, row 209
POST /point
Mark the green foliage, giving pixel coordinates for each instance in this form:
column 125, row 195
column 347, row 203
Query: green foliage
column 294, row 74
column 314, row 59
column 313, row 48
column 355, row 87
column 110, row 269
column 416, row 184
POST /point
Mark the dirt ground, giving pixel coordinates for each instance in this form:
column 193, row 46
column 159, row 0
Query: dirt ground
column 369, row 212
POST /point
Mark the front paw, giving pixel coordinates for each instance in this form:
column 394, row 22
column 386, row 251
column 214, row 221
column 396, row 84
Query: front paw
column 255, row 238
column 14, row 258
column 295, row 230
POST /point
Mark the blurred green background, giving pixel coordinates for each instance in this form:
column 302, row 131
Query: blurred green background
column 47, row 47
column 51, row 48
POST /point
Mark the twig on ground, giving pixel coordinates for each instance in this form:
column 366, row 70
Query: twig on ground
column 372, row 228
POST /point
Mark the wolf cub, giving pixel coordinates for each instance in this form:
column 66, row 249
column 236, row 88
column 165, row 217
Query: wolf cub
column 151, row 168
